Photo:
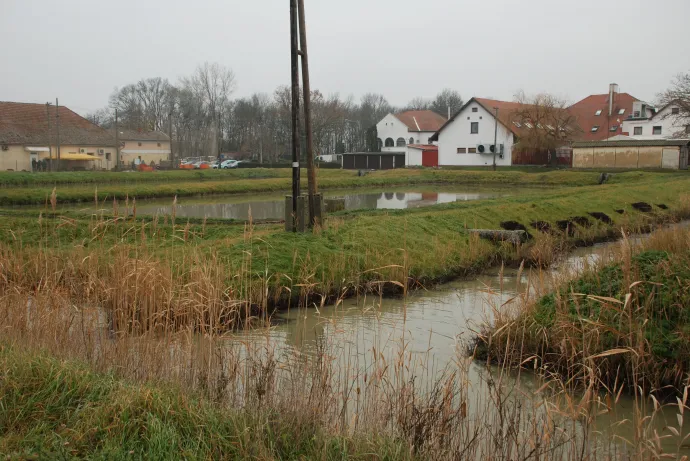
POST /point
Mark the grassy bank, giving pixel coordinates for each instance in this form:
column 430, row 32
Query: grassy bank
column 53, row 409
column 624, row 322
column 355, row 251
column 80, row 187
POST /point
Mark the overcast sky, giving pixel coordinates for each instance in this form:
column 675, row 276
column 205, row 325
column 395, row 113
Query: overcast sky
column 81, row 50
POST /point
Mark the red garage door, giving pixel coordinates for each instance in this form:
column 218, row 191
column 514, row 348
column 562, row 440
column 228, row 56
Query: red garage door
column 430, row 158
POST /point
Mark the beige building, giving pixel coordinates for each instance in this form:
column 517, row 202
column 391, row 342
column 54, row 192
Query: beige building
column 29, row 139
column 145, row 146
column 632, row 154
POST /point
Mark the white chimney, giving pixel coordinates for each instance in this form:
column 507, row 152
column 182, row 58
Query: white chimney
column 613, row 89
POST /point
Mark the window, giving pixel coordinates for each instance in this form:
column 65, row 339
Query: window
column 637, row 131
column 379, row 143
column 139, row 144
column 474, row 109
column 411, row 140
column 614, row 128
column 107, row 155
column 462, row 150
column 550, row 128
column 529, row 125
column 656, row 130
column 595, row 128
column 400, row 142
column 390, row 142
column 598, row 113
column 474, row 128
column 687, row 129
column 472, row 150
column 675, row 110
column 517, row 124
column 621, row 112
column 159, row 144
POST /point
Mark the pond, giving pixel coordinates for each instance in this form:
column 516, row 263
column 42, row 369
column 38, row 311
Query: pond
column 272, row 206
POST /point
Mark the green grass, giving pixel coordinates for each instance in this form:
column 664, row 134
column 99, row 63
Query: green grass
column 52, row 409
column 28, row 189
column 426, row 244
column 626, row 321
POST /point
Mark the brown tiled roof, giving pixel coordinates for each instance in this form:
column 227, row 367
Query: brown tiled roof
column 421, row 120
column 585, row 112
column 24, row 123
column 140, row 135
column 506, row 114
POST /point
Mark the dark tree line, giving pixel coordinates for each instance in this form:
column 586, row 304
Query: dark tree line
column 204, row 118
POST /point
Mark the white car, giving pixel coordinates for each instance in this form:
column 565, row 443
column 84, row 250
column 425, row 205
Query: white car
column 227, row 164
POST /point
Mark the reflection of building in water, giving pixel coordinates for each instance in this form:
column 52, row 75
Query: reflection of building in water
column 396, row 201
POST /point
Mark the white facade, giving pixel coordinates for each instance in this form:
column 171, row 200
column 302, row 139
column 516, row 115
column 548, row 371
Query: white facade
column 457, row 135
column 393, row 130
column 661, row 125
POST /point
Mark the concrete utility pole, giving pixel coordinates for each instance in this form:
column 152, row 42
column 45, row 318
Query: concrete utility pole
column 294, row 46
column 117, row 144
column 57, row 128
column 50, row 148
column 495, row 134
column 306, row 88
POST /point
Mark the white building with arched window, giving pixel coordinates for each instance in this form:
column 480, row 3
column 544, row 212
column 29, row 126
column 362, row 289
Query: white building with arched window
column 397, row 132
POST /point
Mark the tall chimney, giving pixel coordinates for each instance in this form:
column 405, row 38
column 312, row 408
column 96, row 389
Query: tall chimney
column 613, row 89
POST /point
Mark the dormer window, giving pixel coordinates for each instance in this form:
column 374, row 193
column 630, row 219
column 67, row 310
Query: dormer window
column 614, row 128
column 528, row 125
column 621, row 112
column 595, row 128
column 517, row 124
column 598, row 113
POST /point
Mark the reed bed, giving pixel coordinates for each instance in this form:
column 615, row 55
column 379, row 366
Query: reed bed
column 139, row 315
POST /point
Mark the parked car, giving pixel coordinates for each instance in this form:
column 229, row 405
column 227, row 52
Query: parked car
column 227, row 164
column 201, row 165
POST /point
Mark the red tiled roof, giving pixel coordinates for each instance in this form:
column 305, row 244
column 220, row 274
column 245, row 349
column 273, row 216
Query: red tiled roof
column 506, row 112
column 423, row 146
column 585, row 112
column 24, row 123
column 421, row 120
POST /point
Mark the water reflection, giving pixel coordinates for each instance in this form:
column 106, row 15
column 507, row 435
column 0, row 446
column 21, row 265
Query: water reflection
column 272, row 207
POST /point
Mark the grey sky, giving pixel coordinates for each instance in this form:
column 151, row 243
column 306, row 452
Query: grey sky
column 80, row 50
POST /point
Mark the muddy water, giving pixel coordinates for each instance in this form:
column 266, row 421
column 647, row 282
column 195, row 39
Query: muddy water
column 436, row 324
column 272, row 206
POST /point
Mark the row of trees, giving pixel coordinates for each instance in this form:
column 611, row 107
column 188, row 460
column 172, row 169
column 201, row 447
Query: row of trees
column 204, row 118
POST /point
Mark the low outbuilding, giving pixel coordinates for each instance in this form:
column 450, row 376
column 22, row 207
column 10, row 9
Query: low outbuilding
column 632, row 153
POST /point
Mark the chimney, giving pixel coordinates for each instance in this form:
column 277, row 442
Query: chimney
column 613, row 89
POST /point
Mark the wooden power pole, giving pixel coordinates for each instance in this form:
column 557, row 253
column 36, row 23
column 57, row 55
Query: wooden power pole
column 50, row 148
column 57, row 129
column 306, row 88
column 117, row 143
column 294, row 46
column 172, row 155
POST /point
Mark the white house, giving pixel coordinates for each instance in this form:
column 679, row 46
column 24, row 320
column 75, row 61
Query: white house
column 459, row 140
column 645, row 123
column 415, row 127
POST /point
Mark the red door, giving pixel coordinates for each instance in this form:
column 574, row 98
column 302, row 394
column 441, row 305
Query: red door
column 430, row 158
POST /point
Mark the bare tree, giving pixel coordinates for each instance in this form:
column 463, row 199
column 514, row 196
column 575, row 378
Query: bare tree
column 679, row 94
column 447, row 102
column 545, row 121
column 101, row 117
column 418, row 104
